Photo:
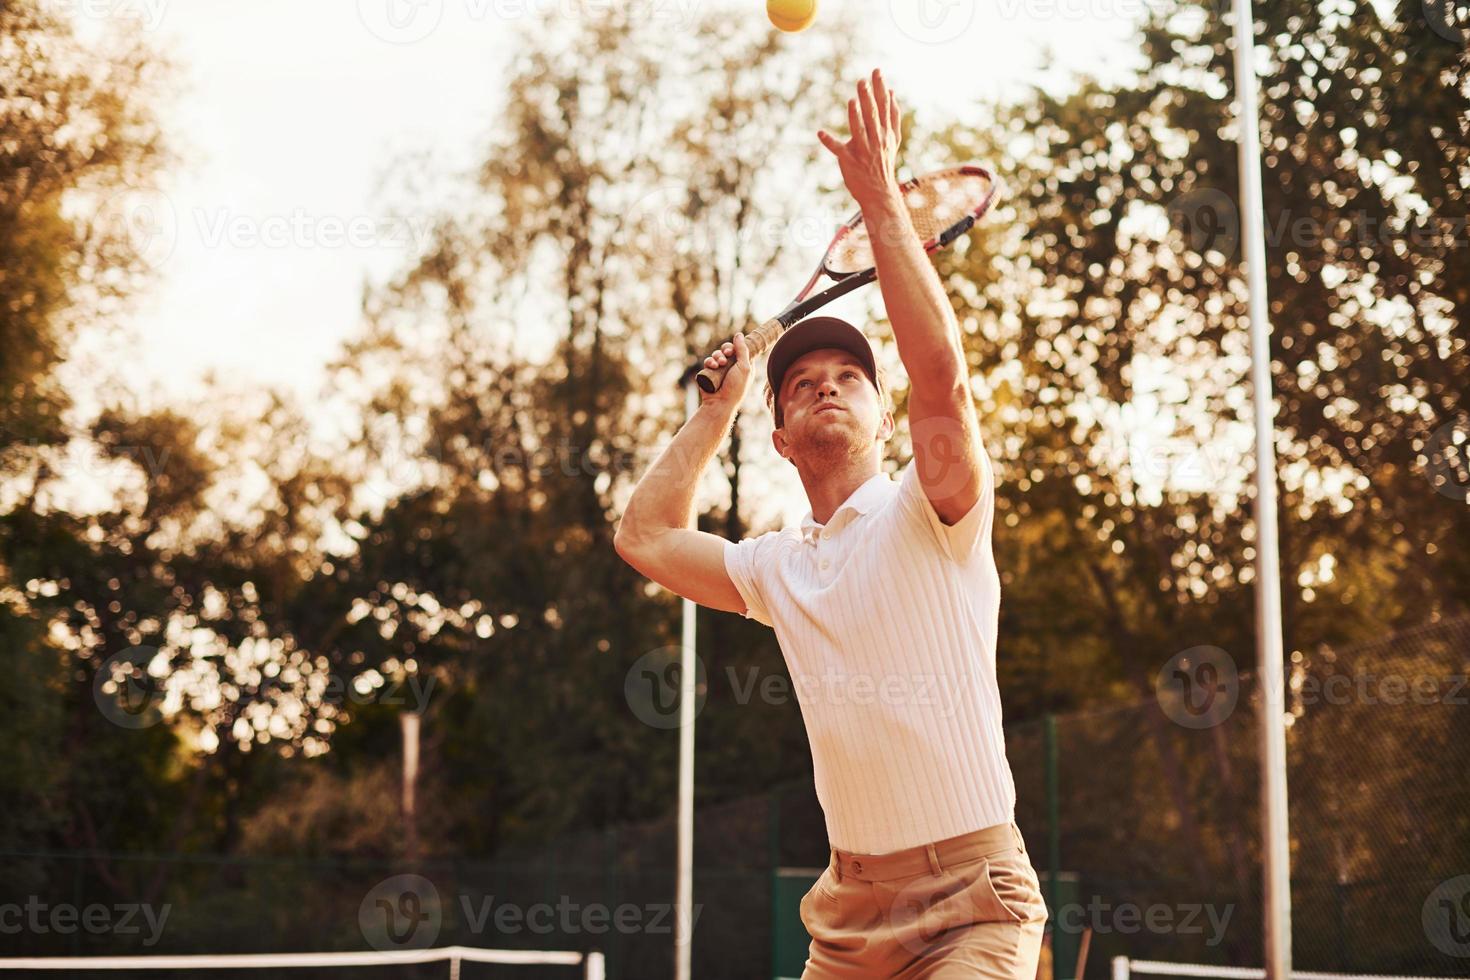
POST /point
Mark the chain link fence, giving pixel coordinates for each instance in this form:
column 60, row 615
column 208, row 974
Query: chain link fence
column 1149, row 811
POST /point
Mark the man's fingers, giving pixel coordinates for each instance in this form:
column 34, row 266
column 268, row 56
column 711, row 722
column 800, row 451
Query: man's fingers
column 870, row 114
column 726, row 353
column 880, row 98
column 830, row 142
column 855, row 123
column 895, row 116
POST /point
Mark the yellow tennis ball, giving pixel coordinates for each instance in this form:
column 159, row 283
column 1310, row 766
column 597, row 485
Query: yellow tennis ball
column 792, row 15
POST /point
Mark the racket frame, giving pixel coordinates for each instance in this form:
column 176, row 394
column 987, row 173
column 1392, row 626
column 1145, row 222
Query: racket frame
column 711, row 379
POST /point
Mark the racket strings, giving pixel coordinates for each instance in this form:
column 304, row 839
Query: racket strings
column 936, row 203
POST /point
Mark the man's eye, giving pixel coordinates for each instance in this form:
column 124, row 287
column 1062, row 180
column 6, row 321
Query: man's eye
column 850, row 374
column 802, row 382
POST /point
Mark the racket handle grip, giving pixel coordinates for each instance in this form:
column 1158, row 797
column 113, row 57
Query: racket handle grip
column 756, row 342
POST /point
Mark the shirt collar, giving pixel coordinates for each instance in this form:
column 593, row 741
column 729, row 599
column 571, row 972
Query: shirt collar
column 860, row 501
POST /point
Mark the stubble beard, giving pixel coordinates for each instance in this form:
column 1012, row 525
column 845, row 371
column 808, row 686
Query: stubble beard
column 827, row 445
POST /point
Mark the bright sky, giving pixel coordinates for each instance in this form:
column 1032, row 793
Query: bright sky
column 291, row 113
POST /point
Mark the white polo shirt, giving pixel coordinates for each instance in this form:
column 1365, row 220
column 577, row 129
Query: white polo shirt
column 887, row 620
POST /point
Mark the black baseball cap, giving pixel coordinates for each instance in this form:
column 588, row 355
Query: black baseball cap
column 818, row 333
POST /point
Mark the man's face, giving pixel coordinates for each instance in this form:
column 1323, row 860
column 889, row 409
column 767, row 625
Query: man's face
column 829, row 408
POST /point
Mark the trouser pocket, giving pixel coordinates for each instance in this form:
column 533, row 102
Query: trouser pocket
column 1009, row 890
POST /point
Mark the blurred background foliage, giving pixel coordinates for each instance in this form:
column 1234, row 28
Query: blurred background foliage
column 507, row 388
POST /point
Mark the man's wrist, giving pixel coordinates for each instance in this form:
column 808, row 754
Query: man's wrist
column 720, row 409
column 887, row 202
column 887, row 218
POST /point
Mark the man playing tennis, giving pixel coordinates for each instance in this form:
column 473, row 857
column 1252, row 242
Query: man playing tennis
column 885, row 603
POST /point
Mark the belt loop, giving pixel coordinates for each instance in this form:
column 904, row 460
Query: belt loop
column 934, row 865
column 836, row 866
column 1016, row 833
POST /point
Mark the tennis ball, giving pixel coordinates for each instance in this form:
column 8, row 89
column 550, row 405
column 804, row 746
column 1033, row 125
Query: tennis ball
column 792, row 15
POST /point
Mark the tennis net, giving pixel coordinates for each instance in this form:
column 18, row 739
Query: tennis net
column 591, row 963
column 1124, row 968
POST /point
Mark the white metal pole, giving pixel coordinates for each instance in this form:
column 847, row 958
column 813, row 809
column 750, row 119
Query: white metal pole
column 409, row 725
column 684, row 890
column 1276, row 872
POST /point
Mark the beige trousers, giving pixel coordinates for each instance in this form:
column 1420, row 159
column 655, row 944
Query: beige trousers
column 969, row 906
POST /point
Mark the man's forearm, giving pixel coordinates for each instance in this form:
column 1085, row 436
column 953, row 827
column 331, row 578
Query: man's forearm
column 924, row 323
column 664, row 496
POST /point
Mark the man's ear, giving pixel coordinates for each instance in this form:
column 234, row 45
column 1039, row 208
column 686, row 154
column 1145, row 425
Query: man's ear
column 886, row 427
column 778, row 439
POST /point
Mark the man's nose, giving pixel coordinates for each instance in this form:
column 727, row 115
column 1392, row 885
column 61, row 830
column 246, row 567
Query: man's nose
column 828, row 388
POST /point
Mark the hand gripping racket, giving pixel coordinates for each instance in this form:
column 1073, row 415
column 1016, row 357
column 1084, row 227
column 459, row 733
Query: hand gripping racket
column 942, row 207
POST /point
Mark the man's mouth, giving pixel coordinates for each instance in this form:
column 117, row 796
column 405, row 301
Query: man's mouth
column 829, row 407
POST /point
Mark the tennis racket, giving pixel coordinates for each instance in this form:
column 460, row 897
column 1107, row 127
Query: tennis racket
column 942, row 206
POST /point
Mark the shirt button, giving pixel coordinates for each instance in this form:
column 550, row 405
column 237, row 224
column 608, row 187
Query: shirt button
column 824, row 535
column 826, row 564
